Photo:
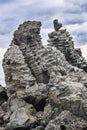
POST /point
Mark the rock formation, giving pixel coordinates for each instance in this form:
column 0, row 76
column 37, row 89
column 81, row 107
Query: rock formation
column 46, row 85
column 62, row 40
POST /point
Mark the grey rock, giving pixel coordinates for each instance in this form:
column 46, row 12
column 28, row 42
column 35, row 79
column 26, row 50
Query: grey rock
column 46, row 85
column 66, row 121
column 19, row 117
column 2, row 128
column 17, row 73
column 57, row 25
column 62, row 40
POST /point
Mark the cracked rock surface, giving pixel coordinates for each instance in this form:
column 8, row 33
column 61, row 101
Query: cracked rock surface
column 46, row 86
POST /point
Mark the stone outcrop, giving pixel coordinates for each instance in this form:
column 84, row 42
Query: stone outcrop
column 66, row 121
column 62, row 40
column 46, row 87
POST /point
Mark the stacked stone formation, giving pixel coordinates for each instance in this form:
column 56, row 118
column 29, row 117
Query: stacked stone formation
column 29, row 44
column 44, row 91
column 62, row 40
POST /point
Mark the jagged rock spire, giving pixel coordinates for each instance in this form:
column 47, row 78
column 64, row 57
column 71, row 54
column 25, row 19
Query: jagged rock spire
column 62, row 40
column 57, row 25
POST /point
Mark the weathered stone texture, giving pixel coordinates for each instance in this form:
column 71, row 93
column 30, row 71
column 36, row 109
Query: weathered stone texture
column 46, row 85
column 62, row 40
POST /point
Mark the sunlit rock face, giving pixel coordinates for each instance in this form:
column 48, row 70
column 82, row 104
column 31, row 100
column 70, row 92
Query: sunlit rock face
column 46, row 85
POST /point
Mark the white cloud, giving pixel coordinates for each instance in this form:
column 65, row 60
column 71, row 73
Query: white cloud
column 44, row 34
column 79, row 32
column 2, row 52
column 84, row 50
column 75, row 28
column 51, row 3
column 2, row 80
column 5, row 40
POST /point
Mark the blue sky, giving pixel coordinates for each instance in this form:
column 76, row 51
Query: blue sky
column 72, row 14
